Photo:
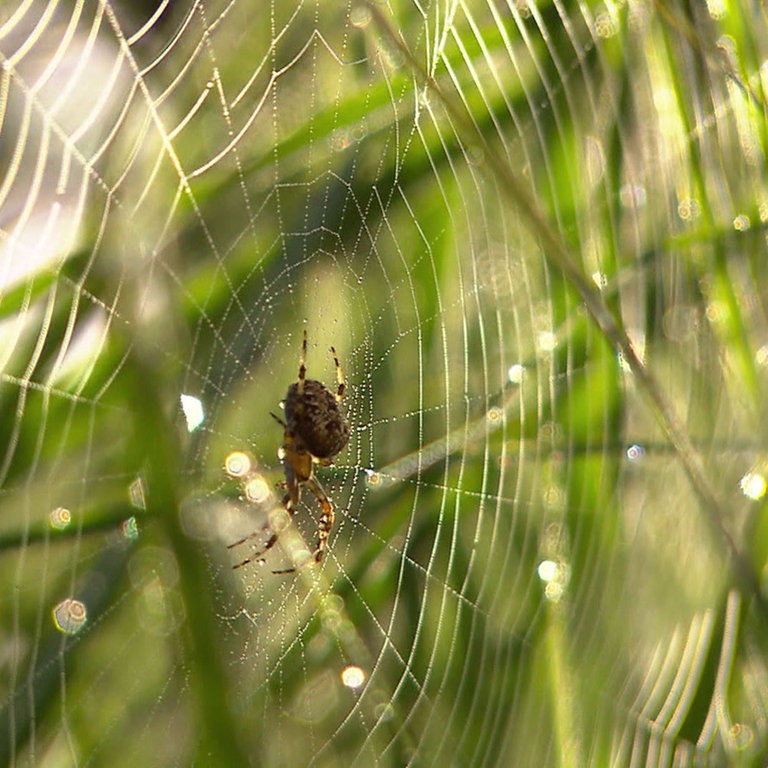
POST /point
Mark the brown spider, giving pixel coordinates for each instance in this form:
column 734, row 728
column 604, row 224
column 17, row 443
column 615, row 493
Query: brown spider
column 315, row 430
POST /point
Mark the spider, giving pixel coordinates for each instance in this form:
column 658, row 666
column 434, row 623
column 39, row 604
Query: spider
column 315, row 431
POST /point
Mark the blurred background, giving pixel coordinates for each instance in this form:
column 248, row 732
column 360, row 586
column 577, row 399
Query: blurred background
column 535, row 234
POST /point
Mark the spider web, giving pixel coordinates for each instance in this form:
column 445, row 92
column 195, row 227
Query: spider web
column 534, row 233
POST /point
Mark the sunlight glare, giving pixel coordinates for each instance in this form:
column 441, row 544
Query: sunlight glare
column 515, row 373
column 547, row 341
column 352, row 677
column 136, row 494
column 193, row 411
column 753, row 486
column 555, row 576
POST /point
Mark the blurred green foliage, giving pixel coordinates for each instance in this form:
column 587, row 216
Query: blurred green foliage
column 442, row 199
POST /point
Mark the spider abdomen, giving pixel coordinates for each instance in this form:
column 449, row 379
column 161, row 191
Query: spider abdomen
column 316, row 418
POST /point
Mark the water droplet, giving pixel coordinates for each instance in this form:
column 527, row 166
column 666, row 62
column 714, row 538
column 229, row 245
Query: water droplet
column 605, row 25
column 555, row 576
column 741, row 223
column 688, row 209
column 632, row 196
column 741, row 735
column 69, row 616
column 256, row 489
column 60, row 518
column 130, row 529
column 494, row 415
column 237, row 464
column 360, row 16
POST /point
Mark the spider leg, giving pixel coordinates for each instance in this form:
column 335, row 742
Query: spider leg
column 324, row 526
column 302, row 364
column 290, row 503
column 339, row 376
column 257, row 556
column 250, row 536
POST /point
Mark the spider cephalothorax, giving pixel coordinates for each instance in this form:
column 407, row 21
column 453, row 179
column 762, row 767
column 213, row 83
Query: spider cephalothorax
column 315, row 430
